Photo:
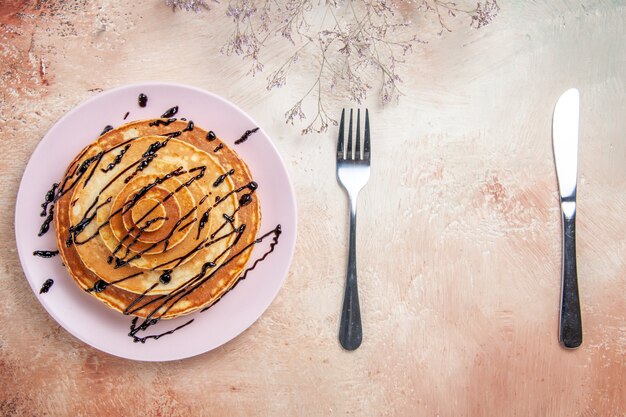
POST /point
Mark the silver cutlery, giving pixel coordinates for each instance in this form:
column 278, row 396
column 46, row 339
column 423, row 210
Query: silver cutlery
column 565, row 143
column 353, row 172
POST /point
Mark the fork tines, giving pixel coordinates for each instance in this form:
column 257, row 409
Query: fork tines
column 350, row 153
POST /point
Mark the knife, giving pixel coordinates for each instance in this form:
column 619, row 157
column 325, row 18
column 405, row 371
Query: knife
column 565, row 144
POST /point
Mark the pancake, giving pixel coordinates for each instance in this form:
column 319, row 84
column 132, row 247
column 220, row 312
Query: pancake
column 157, row 218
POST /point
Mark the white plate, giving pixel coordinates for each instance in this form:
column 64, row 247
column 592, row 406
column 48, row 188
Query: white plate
column 89, row 319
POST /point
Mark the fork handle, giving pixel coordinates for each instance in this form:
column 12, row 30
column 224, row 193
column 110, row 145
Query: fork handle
column 570, row 324
column 350, row 330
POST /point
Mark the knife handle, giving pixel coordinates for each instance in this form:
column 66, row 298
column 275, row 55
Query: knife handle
column 570, row 324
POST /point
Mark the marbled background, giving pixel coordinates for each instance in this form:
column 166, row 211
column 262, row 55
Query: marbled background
column 459, row 228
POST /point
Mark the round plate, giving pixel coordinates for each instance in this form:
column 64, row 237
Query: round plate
column 89, row 319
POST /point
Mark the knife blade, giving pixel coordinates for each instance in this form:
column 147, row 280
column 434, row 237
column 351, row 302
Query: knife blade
column 565, row 123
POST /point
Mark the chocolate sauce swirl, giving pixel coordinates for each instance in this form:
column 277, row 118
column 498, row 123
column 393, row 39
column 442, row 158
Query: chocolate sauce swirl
column 161, row 122
column 171, row 112
column 45, row 253
column 169, row 300
column 276, row 232
column 136, row 339
column 222, row 177
column 189, row 127
column 203, row 220
column 116, row 160
column 157, row 306
column 49, row 198
column 46, row 286
column 46, row 223
column 106, row 129
column 246, row 135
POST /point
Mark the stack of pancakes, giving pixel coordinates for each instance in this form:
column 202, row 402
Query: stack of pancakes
column 157, row 218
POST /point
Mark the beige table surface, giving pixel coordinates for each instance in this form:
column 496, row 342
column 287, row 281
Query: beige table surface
column 459, row 232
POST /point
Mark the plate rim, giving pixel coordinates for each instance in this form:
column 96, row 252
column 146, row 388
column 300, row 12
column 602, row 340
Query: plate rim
column 152, row 84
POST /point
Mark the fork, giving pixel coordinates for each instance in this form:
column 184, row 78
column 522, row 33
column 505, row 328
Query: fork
column 353, row 172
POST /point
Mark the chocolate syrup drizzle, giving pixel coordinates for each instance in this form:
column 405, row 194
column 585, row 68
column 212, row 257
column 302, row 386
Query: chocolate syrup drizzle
column 46, row 223
column 189, row 127
column 276, row 232
column 161, row 122
column 46, row 286
column 203, row 220
column 126, row 115
column 117, row 159
column 45, row 253
column 171, row 112
column 160, row 305
column 195, row 282
column 106, row 129
column 246, row 135
column 222, row 177
column 49, row 198
column 133, row 331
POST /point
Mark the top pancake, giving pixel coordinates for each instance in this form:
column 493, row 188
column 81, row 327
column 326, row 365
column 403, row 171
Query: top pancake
column 160, row 220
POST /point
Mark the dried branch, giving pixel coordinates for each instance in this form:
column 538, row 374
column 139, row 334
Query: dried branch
column 189, row 5
column 347, row 41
